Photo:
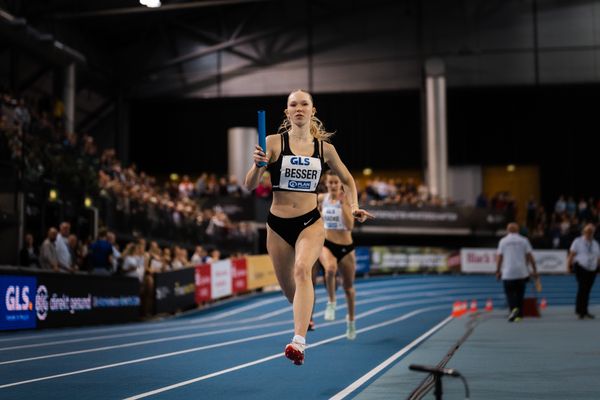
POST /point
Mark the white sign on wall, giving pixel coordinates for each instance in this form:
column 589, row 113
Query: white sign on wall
column 483, row 261
column 220, row 282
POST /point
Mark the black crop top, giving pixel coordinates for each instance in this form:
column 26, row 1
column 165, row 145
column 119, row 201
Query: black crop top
column 292, row 173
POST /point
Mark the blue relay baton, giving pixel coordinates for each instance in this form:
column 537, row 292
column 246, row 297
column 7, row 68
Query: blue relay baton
column 262, row 135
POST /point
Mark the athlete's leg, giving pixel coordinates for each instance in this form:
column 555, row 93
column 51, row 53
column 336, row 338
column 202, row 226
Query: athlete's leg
column 282, row 256
column 347, row 266
column 308, row 248
column 329, row 262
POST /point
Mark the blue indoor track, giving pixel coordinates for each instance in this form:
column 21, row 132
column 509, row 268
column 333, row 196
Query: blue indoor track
column 236, row 350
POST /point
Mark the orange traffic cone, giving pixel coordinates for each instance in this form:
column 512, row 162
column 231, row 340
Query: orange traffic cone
column 473, row 307
column 463, row 307
column 489, row 306
column 543, row 303
column 456, row 309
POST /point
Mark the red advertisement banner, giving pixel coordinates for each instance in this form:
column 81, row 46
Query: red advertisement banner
column 239, row 275
column 202, row 279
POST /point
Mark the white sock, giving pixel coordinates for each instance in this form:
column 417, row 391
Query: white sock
column 299, row 339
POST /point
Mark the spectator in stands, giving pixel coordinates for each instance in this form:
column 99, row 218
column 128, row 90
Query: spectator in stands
column 571, row 207
column 201, row 184
column 200, row 256
column 185, row 187
column 76, row 252
column 219, row 225
column 295, row 232
column 514, row 253
column 583, row 211
column 155, row 258
column 116, row 254
column 560, row 206
column 233, row 187
column 133, row 261
column 28, row 256
column 167, row 258
column 101, row 254
column 584, row 260
column 65, row 261
column 48, row 257
column 181, row 258
column 215, row 255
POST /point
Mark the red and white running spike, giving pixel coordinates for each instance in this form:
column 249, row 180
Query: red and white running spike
column 295, row 352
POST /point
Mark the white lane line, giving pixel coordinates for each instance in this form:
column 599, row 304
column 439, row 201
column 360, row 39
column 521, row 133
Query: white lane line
column 273, row 356
column 145, row 342
column 139, row 360
column 398, row 283
column 220, row 331
column 253, row 319
column 359, row 382
column 134, row 326
column 195, row 349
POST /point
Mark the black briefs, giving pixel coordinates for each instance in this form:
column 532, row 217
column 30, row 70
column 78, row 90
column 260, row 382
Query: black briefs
column 290, row 228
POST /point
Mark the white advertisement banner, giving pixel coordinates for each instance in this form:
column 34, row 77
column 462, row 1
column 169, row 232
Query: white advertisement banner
column 220, row 279
column 408, row 258
column 551, row 261
column 483, row 261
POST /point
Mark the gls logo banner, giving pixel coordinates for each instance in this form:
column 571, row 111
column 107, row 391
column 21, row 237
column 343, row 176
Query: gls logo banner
column 300, row 161
column 17, row 309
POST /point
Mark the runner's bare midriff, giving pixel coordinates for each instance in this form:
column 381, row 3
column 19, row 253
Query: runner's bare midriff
column 292, row 204
column 338, row 236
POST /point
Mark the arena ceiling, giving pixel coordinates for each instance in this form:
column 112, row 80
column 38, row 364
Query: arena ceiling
column 215, row 48
column 133, row 47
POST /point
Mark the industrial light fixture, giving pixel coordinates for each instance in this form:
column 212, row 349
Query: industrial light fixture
column 367, row 172
column 53, row 195
column 150, row 3
column 87, row 201
column 511, row 167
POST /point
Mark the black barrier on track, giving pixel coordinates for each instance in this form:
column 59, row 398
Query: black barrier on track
column 42, row 299
column 174, row 290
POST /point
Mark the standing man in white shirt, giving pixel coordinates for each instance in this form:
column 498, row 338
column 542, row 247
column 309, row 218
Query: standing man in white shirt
column 514, row 253
column 65, row 261
column 583, row 259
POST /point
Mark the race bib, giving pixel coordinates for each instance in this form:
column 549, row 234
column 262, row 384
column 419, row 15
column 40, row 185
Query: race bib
column 300, row 174
column 332, row 216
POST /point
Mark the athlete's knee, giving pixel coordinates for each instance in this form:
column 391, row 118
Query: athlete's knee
column 302, row 272
column 348, row 289
column 330, row 268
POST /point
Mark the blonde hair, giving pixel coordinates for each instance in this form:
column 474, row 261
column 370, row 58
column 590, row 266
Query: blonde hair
column 317, row 129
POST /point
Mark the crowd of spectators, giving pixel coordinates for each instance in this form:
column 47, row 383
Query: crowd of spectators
column 559, row 226
column 397, row 191
column 63, row 252
column 135, row 202
column 130, row 202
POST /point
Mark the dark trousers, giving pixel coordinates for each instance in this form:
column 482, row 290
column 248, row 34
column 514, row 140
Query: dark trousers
column 515, row 292
column 585, row 281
